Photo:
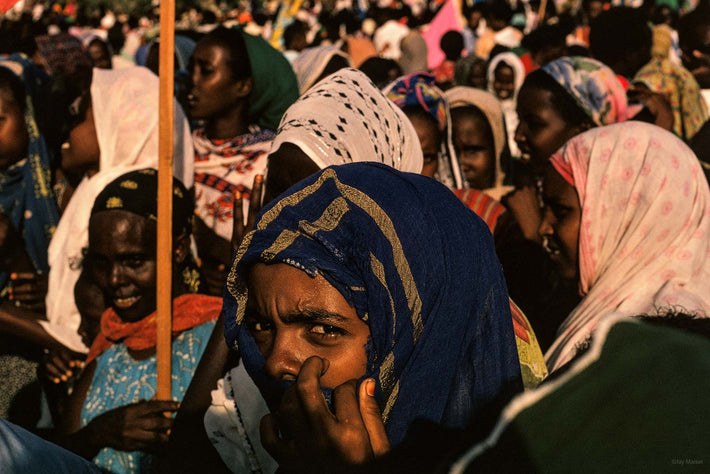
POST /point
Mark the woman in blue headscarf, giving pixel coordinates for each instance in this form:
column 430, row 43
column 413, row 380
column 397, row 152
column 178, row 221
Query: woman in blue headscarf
column 387, row 276
column 28, row 210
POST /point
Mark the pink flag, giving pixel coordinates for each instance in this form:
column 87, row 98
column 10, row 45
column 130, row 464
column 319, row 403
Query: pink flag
column 445, row 20
column 5, row 5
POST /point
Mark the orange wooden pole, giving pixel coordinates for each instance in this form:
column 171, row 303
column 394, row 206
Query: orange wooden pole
column 165, row 199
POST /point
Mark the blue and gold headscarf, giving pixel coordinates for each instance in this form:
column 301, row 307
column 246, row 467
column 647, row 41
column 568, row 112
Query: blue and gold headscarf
column 416, row 265
column 26, row 195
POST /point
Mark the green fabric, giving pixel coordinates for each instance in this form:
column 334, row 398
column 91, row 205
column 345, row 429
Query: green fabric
column 275, row 86
column 638, row 408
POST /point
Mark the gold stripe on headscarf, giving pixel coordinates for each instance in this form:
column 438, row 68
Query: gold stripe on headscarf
column 328, row 221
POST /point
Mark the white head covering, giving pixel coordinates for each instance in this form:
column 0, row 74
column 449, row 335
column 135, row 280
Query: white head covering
column 509, row 105
column 644, row 238
column 345, row 119
column 125, row 107
column 490, row 106
column 311, row 62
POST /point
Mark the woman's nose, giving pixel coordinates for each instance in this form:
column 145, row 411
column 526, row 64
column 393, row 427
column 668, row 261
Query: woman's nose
column 546, row 229
column 283, row 361
column 519, row 136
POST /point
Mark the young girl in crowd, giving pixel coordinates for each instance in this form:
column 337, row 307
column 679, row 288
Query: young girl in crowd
column 480, row 140
column 109, row 418
column 426, row 107
column 505, row 77
column 241, row 88
column 627, row 215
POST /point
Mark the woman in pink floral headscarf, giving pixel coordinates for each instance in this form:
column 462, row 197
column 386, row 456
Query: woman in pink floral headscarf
column 628, row 212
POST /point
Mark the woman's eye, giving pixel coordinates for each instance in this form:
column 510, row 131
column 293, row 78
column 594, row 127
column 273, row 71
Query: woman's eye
column 430, row 158
column 135, row 262
column 326, row 330
column 258, row 326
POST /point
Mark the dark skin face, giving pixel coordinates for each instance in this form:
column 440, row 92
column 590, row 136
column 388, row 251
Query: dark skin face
column 215, row 95
column 429, row 138
column 287, row 166
column 83, row 154
column 14, row 138
column 123, row 260
column 474, row 148
column 504, row 82
column 478, row 76
column 99, row 55
column 559, row 229
column 541, row 130
column 293, row 317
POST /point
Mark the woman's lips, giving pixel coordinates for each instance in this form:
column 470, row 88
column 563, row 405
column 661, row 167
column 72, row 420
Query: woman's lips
column 550, row 247
column 125, row 302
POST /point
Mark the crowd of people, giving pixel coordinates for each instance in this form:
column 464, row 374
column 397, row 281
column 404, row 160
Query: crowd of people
column 406, row 237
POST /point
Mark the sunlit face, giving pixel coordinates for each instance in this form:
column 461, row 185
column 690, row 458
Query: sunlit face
column 123, row 262
column 430, row 140
column 474, row 147
column 504, row 81
column 83, row 153
column 293, row 317
column 14, row 138
column 559, row 229
column 214, row 91
column 541, row 129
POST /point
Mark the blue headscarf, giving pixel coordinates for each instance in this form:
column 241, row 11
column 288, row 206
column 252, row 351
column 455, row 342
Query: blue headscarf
column 26, row 195
column 416, row 265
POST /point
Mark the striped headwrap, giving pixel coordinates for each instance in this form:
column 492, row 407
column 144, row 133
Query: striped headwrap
column 417, row 266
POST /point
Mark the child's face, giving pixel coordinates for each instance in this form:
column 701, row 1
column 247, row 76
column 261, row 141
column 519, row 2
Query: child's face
column 14, row 138
column 504, row 82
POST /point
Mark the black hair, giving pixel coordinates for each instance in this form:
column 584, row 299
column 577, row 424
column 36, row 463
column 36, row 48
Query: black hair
column 500, row 10
column 11, row 82
column 563, row 103
column 617, row 32
column 233, row 41
column 378, row 69
column 293, row 32
column 419, row 112
column 451, row 44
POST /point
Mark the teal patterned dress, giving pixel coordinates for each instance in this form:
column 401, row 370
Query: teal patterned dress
column 121, row 380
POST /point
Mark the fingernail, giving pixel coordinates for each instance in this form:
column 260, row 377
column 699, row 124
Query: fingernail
column 326, row 364
column 63, row 377
column 259, row 178
column 9, row 292
column 221, row 267
column 55, row 380
column 238, row 195
column 13, row 276
column 370, row 387
column 168, row 432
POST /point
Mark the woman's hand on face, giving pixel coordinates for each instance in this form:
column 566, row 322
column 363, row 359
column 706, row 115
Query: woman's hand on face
column 59, row 365
column 240, row 229
column 28, row 290
column 305, row 436
column 141, row 426
column 524, row 206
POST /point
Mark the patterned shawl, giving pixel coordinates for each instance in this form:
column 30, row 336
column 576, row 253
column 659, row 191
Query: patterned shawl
column 26, row 191
column 681, row 89
column 645, row 231
column 419, row 89
column 593, row 86
column 416, row 265
column 346, row 119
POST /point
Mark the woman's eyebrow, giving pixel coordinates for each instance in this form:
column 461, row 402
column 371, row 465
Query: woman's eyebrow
column 312, row 316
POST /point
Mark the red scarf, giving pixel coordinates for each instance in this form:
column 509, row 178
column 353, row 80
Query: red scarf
column 189, row 310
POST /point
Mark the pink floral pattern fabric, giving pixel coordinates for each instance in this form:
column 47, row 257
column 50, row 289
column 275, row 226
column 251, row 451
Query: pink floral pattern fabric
column 644, row 238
